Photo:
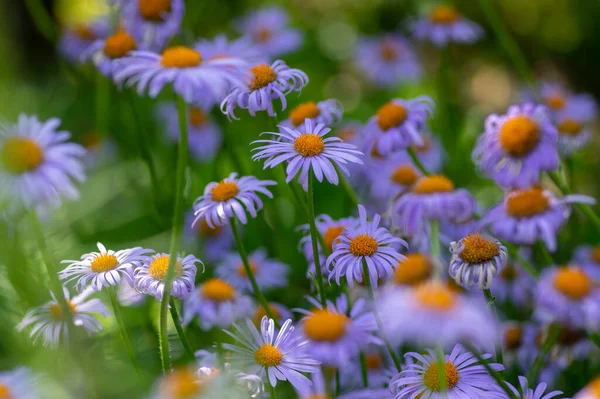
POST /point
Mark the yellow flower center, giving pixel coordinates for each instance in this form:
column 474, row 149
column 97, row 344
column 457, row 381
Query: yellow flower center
column 596, row 254
column 375, row 152
column 594, row 387
column 374, row 361
column 160, row 264
column 347, row 134
column 513, row 337
column 260, row 313
column 153, row 10
column 91, row 140
column 363, row 245
column 478, row 249
column 180, row 57
column 424, row 147
column 104, row 263
column 525, row 203
column 436, row 296
column 444, row 15
column 509, row 273
column 391, row 115
column 434, row 184
column 224, row 191
column 268, row 356
column 197, row 116
column 56, row 312
column 85, row 33
column 331, row 234
column 432, row 380
column 207, row 231
column 5, row 392
column 556, row 102
column 519, row 135
column 20, row 155
column 319, row 397
column 404, row 175
column 413, row 270
column 309, row 145
column 572, row 282
column 388, row 51
column 263, row 34
column 182, row 384
column 263, row 75
column 324, row 325
column 570, row 127
column 308, row 110
column 118, row 45
column 242, row 270
column 218, row 290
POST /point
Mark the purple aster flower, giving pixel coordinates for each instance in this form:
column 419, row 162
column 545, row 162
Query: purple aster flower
column 306, row 150
column 573, row 131
column 445, row 25
column 282, row 355
column 217, row 304
column 431, row 153
column 269, row 30
column 589, row 258
column 204, row 135
column 19, row 383
column 382, row 393
column 318, row 388
column 455, row 229
column 567, row 294
column 153, row 23
column 415, row 269
column 265, row 84
column 231, row 197
column 329, row 228
column 591, row 390
column 465, row 377
column 221, row 47
column 37, row 164
column 525, row 392
column 216, row 240
column 394, row 177
column 559, row 100
column 269, row 273
column 192, row 77
column 387, row 60
column 103, row 269
column 513, row 284
column 75, row 40
column 149, row 277
column 432, row 198
column 105, row 53
column 526, row 216
column 327, row 112
column 365, row 242
column 517, row 147
column 337, row 334
column 398, row 124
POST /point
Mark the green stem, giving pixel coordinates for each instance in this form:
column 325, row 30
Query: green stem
column 347, row 187
column 313, row 237
column 441, row 364
column 543, row 251
column 364, row 370
column 182, row 161
column 417, row 161
column 514, row 253
column 435, row 244
column 338, row 385
column 112, row 295
column 551, row 339
column 272, row 393
column 491, row 300
column 584, row 208
column 244, row 255
column 495, row 375
column 42, row 19
column 182, row 337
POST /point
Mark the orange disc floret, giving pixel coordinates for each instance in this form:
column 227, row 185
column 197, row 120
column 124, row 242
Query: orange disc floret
column 331, row 234
column 309, row 145
column 513, row 337
column 519, row 135
column 526, row 203
column 268, row 356
column 218, row 290
column 405, row 175
column 197, row 116
column 224, row 191
column 478, row 249
column 573, row 282
column 436, row 296
column 263, row 75
column 433, row 184
column 444, row 14
column 570, row 127
column 104, row 263
column 118, row 45
column 413, row 270
column 307, row 110
column 391, row 115
column 180, row 57
column 159, row 266
column 20, row 155
column 182, row 384
column 363, row 245
column 432, row 380
column 556, row 102
column 324, row 325
column 154, row 10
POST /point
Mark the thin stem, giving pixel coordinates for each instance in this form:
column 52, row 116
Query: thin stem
column 272, row 393
column 435, row 244
column 313, row 237
column 112, row 295
column 417, row 161
column 551, row 339
column 177, row 229
column 182, row 337
column 41, row 19
column 347, row 187
column 491, row 300
column 441, row 365
column 514, row 253
column 244, row 255
column 584, row 208
column 495, row 375
column 364, row 370
column 338, row 385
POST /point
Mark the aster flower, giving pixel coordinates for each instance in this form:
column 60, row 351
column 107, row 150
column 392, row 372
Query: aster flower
column 326, row 112
column 216, row 240
column 527, row 216
column 381, row 393
column 369, row 243
column 513, row 284
column 445, row 25
column 591, row 390
column 517, row 147
column 393, row 178
column 19, row 383
column 378, row 375
column 337, row 334
column 105, row 53
column 559, row 100
column 217, row 304
column 204, row 135
column 413, row 270
column 48, row 321
column 281, row 354
column 465, row 377
column 221, row 47
column 151, row 22
column 431, row 153
column 265, row 84
column 231, row 197
column 149, row 277
column 75, row 40
column 527, row 393
column 269, row 273
column 456, row 229
column 269, row 30
column 193, row 78
column 37, row 165
column 398, row 124
column 103, row 269
column 327, row 227
column 588, row 256
column 566, row 294
column 129, row 296
column 573, row 131
column 432, row 198
column 387, row 60
column 306, row 150
column 318, row 388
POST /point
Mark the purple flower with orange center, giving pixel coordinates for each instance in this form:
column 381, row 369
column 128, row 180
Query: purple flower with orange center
column 573, row 131
column 533, row 214
column 329, row 228
column 445, row 25
column 269, row 273
column 431, row 198
column 105, row 53
column 513, row 284
column 517, row 147
column 560, row 100
column 216, row 240
column 590, row 391
column 395, row 177
column 326, row 112
column 307, row 151
column 150, row 276
column 365, row 244
column 231, row 197
column 265, row 84
column 153, row 22
column 588, row 256
column 398, row 124
column 76, row 40
column 19, row 383
column 413, row 270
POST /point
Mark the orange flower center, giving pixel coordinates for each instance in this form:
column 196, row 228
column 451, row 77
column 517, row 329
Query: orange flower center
column 85, row 33
column 509, row 273
column 513, row 337
column 104, row 263
column 263, row 75
column 594, row 387
column 218, row 290
column 519, row 135
column 182, row 384
column 424, row 147
column 118, row 45
column 224, row 191
column 404, row 175
column 197, row 116
column 268, row 356
column 263, row 34
column 159, row 266
column 154, row 10
column 324, row 325
column 242, row 269
column 572, row 282
column 374, row 361
column 444, row 15
column 347, row 134
column 260, row 313
column 388, row 51
column 91, row 140
column 570, row 127
column 363, row 245
column 413, row 270
column 331, row 234
column 525, row 203
column 56, row 312
column 596, row 253
column 432, row 380
column 433, row 184
column 180, row 57
column 5, row 392
column 391, row 115
column 556, row 102
column 20, row 155
column 436, row 296
column 478, row 249
column 309, row 145
column 206, row 230
column 308, row 110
